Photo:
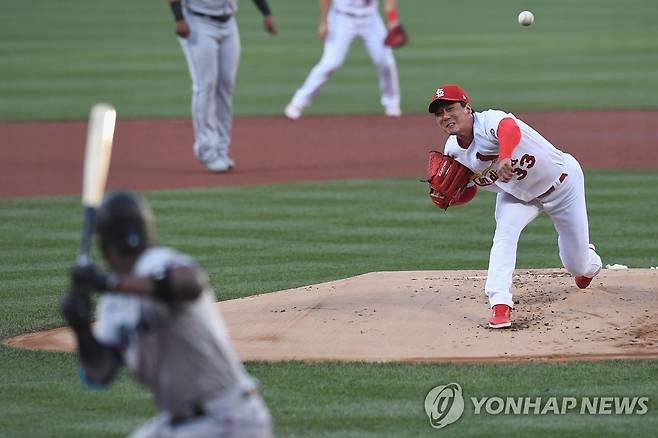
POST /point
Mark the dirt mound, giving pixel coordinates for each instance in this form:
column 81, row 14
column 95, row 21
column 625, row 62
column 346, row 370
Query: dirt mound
column 437, row 316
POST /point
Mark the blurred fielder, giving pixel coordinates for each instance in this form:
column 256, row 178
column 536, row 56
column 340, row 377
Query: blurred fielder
column 340, row 22
column 208, row 34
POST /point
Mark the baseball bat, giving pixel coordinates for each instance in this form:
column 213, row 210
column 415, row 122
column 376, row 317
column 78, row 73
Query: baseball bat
column 100, row 132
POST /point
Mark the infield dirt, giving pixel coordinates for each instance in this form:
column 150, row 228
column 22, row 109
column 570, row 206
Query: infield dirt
column 437, row 316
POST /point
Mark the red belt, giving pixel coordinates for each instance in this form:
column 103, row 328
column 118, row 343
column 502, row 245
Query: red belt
column 551, row 189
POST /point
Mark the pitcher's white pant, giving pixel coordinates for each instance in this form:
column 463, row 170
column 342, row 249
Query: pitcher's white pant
column 342, row 29
column 212, row 51
column 233, row 417
column 566, row 208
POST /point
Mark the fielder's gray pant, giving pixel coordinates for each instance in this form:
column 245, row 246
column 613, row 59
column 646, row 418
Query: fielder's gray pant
column 212, row 51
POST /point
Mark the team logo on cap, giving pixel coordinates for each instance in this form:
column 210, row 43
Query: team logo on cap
column 440, row 93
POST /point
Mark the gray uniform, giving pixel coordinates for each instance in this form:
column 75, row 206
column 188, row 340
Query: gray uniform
column 212, row 51
column 181, row 352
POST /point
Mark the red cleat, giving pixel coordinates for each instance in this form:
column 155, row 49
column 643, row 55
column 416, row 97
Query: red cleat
column 582, row 281
column 500, row 316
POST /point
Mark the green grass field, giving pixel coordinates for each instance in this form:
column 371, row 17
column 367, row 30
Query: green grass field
column 56, row 58
column 262, row 239
column 59, row 57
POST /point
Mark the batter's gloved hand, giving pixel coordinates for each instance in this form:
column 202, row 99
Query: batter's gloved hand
column 447, row 178
column 396, row 37
column 91, row 276
column 75, row 307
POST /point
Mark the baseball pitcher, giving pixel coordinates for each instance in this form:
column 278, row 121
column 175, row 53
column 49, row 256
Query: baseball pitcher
column 156, row 316
column 503, row 154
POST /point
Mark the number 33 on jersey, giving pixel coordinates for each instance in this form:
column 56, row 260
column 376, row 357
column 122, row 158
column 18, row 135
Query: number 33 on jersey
column 536, row 162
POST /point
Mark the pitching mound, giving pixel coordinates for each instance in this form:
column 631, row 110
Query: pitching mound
column 438, row 316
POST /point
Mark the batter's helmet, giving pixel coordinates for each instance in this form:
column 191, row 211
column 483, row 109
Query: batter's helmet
column 125, row 223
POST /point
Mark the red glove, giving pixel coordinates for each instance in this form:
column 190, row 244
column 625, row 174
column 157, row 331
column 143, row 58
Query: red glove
column 396, row 37
column 447, row 178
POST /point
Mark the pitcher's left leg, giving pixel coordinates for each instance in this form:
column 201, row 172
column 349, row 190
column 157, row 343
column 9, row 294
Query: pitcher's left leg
column 512, row 216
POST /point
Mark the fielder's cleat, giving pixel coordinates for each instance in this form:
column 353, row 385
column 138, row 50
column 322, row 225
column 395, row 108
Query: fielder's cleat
column 219, row 165
column 583, row 282
column 394, row 112
column 230, row 162
column 293, row 112
column 501, row 315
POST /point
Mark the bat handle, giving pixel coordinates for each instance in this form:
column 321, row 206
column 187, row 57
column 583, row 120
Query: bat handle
column 84, row 258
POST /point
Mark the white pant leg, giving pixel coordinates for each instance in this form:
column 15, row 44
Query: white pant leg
column 373, row 32
column 228, row 59
column 567, row 209
column 512, row 216
column 340, row 33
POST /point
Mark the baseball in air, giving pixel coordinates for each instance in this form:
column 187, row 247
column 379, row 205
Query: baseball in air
column 526, row 18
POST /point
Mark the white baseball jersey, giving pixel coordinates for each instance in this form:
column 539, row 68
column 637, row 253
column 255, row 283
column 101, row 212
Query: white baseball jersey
column 181, row 351
column 536, row 162
column 355, row 7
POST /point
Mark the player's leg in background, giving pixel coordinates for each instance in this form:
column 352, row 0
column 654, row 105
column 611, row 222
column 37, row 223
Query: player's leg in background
column 341, row 32
column 567, row 209
column 512, row 216
column 200, row 50
column 373, row 32
column 228, row 60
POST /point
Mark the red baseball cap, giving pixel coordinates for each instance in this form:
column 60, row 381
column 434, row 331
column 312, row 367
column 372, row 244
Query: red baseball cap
column 449, row 92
